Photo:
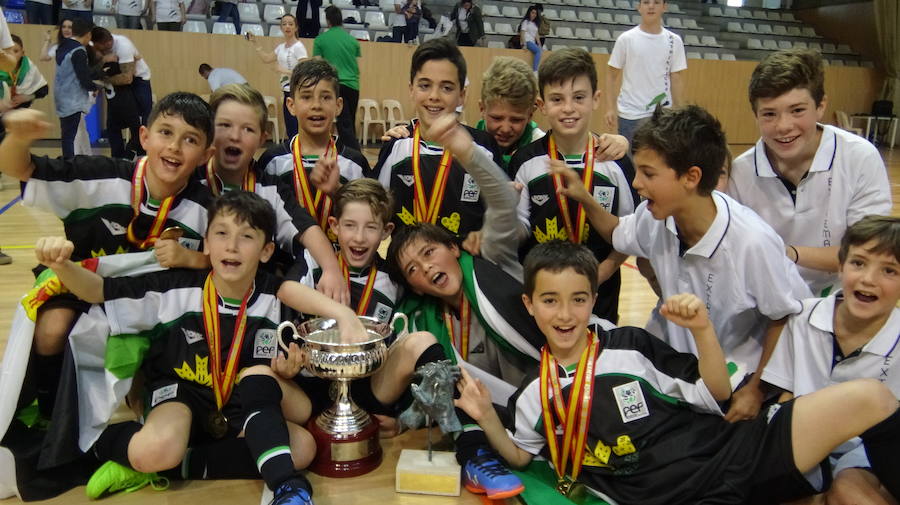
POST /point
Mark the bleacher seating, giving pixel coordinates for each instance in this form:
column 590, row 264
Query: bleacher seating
column 195, row 26
column 224, row 28
column 249, row 13
column 254, row 28
column 272, row 13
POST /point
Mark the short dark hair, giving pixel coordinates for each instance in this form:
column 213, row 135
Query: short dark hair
column 17, row 40
column 310, row 71
column 81, row 27
column 248, row 208
column 885, row 230
column 685, row 137
column 567, row 65
column 98, row 33
column 333, row 16
column 204, row 68
column 783, row 71
column 404, row 236
column 190, row 107
column 438, row 49
column 556, row 256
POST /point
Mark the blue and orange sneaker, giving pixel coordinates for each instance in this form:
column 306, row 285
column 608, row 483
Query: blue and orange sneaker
column 486, row 474
column 291, row 493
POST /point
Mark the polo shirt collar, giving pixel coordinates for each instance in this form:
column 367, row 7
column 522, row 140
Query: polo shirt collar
column 883, row 343
column 822, row 161
column 710, row 241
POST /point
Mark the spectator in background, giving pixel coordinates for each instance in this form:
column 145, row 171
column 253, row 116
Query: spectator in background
column 39, row 12
column 543, row 26
column 307, row 19
column 22, row 86
column 129, row 13
column 73, row 82
column 169, row 15
column 6, row 44
column 218, row 77
column 528, row 33
column 412, row 12
column 229, row 9
column 48, row 53
column 285, row 58
column 340, row 49
column 398, row 22
column 77, row 9
column 466, row 16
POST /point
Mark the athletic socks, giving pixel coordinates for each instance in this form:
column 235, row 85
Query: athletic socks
column 882, row 443
column 470, row 439
column 265, row 430
column 228, row 458
column 113, row 442
column 433, row 353
column 47, row 371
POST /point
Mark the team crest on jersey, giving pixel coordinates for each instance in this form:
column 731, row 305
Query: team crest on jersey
column 382, row 312
column 264, row 344
column 190, row 243
column 114, row 228
column 191, row 336
column 604, row 196
column 630, row 399
column 470, row 191
column 540, row 199
column 407, row 179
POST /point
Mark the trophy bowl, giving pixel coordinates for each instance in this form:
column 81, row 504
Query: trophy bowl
column 346, row 435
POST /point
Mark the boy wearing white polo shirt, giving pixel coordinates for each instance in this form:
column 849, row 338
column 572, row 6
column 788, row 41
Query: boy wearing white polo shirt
column 701, row 241
column 809, row 181
column 851, row 334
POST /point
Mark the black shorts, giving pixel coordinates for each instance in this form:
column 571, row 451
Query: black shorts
column 774, row 477
column 202, row 403
column 319, row 393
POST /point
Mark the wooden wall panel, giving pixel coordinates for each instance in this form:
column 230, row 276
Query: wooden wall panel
column 720, row 86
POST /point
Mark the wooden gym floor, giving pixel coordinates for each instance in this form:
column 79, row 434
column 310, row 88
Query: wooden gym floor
column 20, row 227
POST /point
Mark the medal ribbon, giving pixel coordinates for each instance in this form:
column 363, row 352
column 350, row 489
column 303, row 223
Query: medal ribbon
column 363, row 307
column 222, row 379
column 575, row 416
column 215, row 184
column 426, row 210
column 465, row 317
column 318, row 206
column 576, row 235
column 137, row 196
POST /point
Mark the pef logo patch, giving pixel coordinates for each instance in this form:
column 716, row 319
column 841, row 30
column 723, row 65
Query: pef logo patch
column 470, row 191
column 604, row 197
column 264, row 344
column 630, row 399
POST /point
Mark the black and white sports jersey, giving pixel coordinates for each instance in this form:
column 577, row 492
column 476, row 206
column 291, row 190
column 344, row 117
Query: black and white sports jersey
column 462, row 209
column 656, row 435
column 92, row 196
column 166, row 309
column 538, row 203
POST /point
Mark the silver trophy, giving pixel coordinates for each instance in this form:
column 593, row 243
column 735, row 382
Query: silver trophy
column 346, row 436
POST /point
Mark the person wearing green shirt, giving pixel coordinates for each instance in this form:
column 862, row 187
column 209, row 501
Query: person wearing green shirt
column 339, row 48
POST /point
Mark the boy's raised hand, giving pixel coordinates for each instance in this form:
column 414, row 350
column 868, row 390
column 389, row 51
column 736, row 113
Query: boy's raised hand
column 686, row 310
column 287, row 367
column 447, row 131
column 474, row 397
column 26, row 125
column 352, row 329
column 326, row 175
column 53, row 252
column 608, row 147
column 401, row 131
column 572, row 186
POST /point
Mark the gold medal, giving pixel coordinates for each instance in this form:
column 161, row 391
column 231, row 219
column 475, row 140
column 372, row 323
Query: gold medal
column 171, row 233
column 216, row 424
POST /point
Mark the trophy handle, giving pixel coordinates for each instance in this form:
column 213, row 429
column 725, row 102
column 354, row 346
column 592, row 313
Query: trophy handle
column 401, row 316
column 280, row 331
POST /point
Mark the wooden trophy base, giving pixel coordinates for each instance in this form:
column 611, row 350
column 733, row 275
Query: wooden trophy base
column 345, row 455
column 415, row 474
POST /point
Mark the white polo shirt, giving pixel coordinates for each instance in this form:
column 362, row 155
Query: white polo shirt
column 846, row 182
column 738, row 268
column 805, row 361
column 126, row 51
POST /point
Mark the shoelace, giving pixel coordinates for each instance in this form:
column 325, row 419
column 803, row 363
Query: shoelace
column 490, row 466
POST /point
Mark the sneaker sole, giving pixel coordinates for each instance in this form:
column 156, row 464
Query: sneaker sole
column 496, row 496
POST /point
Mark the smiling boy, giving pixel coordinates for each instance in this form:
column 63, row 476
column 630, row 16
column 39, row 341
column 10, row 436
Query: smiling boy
column 809, row 181
column 701, row 241
column 850, row 334
column 111, row 206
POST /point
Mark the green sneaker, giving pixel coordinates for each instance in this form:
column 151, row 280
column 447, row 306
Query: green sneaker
column 113, row 478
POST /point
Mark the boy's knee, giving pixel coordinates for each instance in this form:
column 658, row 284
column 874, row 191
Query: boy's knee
column 877, row 398
column 303, row 446
column 416, row 343
column 51, row 330
column 161, row 453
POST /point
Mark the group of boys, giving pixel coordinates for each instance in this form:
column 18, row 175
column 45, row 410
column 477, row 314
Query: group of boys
column 688, row 416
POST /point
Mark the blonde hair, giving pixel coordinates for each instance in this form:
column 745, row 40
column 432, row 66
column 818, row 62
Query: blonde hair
column 509, row 79
column 368, row 191
column 240, row 93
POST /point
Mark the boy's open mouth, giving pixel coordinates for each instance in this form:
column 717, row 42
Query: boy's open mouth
column 865, row 297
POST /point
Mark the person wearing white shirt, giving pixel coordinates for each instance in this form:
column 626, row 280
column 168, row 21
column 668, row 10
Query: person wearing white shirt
column 129, row 12
column 72, row 9
column 218, row 77
column 645, row 70
column 528, row 32
column 851, row 334
column 809, row 181
column 169, row 15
